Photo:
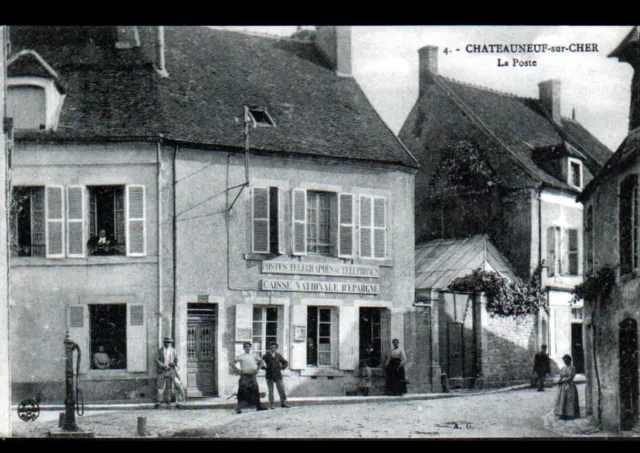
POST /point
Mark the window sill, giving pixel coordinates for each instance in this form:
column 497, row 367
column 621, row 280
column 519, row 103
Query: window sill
column 328, row 371
column 110, row 375
column 34, row 261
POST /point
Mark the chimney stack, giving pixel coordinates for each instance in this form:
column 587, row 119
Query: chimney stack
column 428, row 65
column 127, row 37
column 628, row 51
column 550, row 98
column 335, row 43
column 160, row 63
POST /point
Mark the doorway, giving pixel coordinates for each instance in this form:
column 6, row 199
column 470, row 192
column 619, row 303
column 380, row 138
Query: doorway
column 201, row 350
column 628, row 334
column 577, row 350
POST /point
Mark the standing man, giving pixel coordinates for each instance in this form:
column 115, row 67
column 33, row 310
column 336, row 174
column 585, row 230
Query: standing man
column 248, row 365
column 275, row 363
column 166, row 361
column 541, row 367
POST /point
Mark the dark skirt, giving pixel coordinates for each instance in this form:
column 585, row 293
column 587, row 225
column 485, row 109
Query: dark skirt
column 396, row 381
column 248, row 391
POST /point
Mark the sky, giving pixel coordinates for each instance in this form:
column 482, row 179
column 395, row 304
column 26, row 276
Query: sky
column 385, row 64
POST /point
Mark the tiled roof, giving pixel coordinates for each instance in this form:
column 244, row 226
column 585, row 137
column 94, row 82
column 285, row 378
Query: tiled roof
column 440, row 261
column 213, row 74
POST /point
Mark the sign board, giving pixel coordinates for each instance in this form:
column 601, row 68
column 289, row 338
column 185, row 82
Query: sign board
column 331, row 270
column 320, row 287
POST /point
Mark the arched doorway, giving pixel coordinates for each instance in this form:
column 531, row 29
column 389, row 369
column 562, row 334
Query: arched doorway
column 628, row 334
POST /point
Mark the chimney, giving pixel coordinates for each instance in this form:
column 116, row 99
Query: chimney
column 127, row 37
column 335, row 43
column 160, row 63
column 550, row 98
column 628, row 51
column 428, row 65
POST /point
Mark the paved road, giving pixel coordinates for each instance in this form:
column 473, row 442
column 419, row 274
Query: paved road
column 519, row 413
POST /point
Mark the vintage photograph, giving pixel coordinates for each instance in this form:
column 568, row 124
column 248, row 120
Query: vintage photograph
column 319, row 232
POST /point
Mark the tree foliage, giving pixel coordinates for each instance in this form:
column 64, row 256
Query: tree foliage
column 504, row 298
column 597, row 284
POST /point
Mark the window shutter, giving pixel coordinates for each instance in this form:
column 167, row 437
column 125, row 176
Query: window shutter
column 244, row 326
column 78, row 326
column 551, row 251
column 281, row 241
column 573, row 252
column 75, row 222
column 564, row 252
column 298, row 351
column 366, row 230
column 345, row 225
column 136, row 338
column 136, row 228
column 54, row 203
column 260, row 219
column 348, row 344
column 299, row 211
column 379, row 227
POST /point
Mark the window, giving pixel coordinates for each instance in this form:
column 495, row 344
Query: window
column 576, row 314
column 563, row 255
column 265, row 328
column 108, row 329
column 373, row 232
column 321, row 336
column 259, row 117
column 26, row 104
column 629, row 224
column 106, row 220
column 267, row 220
column 28, row 222
column 371, row 336
column 588, row 239
column 319, row 222
column 575, row 173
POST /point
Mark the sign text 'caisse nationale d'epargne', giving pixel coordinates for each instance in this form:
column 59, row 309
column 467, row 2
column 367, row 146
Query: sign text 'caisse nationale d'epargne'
column 320, row 287
column 331, row 270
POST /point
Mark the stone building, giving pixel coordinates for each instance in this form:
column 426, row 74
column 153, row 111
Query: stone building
column 611, row 242
column 509, row 167
column 247, row 191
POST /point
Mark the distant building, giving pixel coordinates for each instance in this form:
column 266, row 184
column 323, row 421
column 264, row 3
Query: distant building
column 508, row 167
column 611, row 239
column 137, row 212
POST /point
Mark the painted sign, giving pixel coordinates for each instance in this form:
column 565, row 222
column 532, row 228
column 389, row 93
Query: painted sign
column 332, row 270
column 320, row 287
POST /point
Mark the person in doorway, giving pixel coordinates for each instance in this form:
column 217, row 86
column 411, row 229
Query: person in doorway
column 274, row 364
column 394, row 369
column 370, row 361
column 166, row 361
column 567, row 402
column 101, row 359
column 541, row 367
column 248, row 365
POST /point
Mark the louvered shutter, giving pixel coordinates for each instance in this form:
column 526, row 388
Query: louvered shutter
column 366, row 230
column 298, row 352
column 564, row 252
column 345, row 225
column 379, row 227
column 75, row 222
column 136, row 228
column 299, row 224
column 260, row 220
column 281, row 223
column 551, row 251
column 573, row 252
column 348, row 344
column 244, row 326
column 78, row 327
column 54, row 203
column 136, row 338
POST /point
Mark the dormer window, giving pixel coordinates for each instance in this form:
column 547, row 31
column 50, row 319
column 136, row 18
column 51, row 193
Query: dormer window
column 575, row 173
column 27, row 105
column 260, row 117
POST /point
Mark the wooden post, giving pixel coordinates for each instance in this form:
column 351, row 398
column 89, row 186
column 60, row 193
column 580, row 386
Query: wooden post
column 142, row 426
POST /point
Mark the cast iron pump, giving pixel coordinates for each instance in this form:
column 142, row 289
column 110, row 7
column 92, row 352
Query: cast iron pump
column 70, row 401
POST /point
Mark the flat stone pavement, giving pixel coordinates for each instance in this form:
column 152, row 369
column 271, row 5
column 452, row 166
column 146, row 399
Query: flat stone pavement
column 517, row 412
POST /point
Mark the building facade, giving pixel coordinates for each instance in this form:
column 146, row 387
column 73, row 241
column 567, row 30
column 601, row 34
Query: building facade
column 207, row 185
column 508, row 167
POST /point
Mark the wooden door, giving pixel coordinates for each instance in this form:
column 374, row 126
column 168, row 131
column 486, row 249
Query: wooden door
column 201, row 350
column 628, row 374
column 456, row 351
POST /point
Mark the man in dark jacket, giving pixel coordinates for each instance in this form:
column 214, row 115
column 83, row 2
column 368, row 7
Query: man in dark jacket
column 275, row 363
column 541, row 367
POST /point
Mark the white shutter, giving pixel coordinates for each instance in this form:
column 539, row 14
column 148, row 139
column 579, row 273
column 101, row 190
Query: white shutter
column 298, row 351
column 345, row 225
column 136, row 338
column 136, row 224
column 564, row 252
column 299, row 224
column 78, row 327
column 54, row 205
column 551, row 251
column 281, row 222
column 75, row 222
column 379, row 227
column 244, row 323
column 260, row 220
column 366, row 230
column 348, row 331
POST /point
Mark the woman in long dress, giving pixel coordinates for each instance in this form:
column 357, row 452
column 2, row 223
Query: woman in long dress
column 567, row 403
column 394, row 367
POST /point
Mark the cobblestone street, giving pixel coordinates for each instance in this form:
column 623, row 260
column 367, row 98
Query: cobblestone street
column 519, row 413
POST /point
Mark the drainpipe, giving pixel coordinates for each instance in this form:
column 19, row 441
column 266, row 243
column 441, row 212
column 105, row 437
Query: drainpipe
column 160, row 63
column 160, row 254
column 175, row 241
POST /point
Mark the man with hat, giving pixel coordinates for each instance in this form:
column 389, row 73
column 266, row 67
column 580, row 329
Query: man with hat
column 166, row 361
column 275, row 363
column 541, row 367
